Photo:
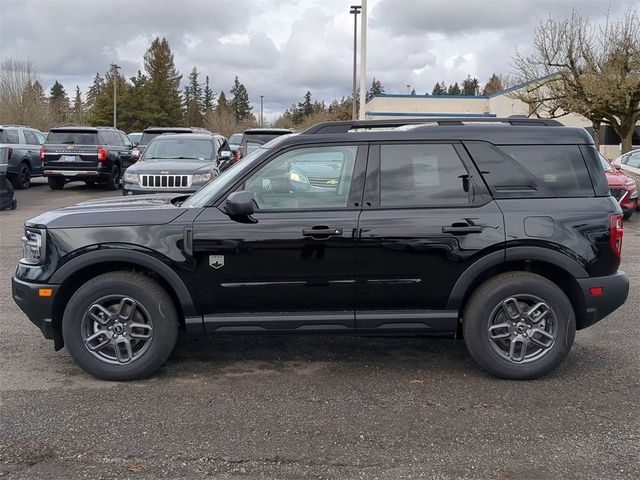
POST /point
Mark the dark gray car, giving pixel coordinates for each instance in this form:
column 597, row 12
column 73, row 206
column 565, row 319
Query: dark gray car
column 23, row 146
column 177, row 163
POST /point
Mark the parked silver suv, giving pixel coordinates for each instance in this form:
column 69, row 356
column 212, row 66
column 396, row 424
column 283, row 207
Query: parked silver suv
column 23, row 144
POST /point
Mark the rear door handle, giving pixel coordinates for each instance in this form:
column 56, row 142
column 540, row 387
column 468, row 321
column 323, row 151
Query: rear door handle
column 462, row 230
column 321, row 232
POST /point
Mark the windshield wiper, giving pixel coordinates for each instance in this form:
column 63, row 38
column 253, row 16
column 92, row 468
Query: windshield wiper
column 68, row 142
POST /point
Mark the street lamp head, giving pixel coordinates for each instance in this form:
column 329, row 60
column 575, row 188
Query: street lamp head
column 355, row 9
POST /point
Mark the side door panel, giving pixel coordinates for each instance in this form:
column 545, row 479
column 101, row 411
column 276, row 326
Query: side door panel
column 410, row 257
column 283, row 269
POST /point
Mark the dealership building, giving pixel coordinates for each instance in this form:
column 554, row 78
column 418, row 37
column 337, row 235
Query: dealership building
column 500, row 104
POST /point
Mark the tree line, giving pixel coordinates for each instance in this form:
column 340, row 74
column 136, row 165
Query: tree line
column 152, row 97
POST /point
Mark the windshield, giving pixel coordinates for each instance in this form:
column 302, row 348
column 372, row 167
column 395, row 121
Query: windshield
column 179, row 148
column 605, row 163
column 235, row 139
column 222, row 181
column 134, row 137
column 71, row 137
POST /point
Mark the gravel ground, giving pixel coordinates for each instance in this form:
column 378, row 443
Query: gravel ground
column 315, row 407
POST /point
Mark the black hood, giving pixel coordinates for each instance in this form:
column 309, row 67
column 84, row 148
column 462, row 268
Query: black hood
column 153, row 209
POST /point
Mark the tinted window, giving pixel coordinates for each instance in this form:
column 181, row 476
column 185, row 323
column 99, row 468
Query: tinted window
column 185, row 148
column 12, row 136
column 126, row 141
column 72, row 137
column 39, row 137
column 422, row 175
column 306, row 178
column 560, row 168
column 30, row 137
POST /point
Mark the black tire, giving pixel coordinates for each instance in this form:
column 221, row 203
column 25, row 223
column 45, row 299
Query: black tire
column 22, row 179
column 486, row 304
column 113, row 180
column 90, row 183
column 151, row 299
column 55, row 183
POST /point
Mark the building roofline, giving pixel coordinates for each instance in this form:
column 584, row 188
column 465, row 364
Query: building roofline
column 430, row 114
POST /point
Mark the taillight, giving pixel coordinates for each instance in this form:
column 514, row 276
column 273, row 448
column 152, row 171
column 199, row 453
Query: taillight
column 102, row 154
column 615, row 234
column 10, row 151
column 42, row 153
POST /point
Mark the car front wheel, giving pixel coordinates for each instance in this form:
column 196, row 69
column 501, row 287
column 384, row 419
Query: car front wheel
column 519, row 326
column 120, row 326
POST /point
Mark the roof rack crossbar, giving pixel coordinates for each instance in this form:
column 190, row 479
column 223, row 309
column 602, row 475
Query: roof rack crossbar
column 346, row 125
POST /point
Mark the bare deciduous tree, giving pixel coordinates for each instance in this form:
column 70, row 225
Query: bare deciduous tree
column 21, row 94
column 591, row 71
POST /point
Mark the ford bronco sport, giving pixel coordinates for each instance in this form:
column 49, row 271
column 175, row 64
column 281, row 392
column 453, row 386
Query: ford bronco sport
column 502, row 231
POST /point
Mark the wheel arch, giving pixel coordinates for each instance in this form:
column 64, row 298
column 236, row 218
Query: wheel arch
column 76, row 272
column 549, row 264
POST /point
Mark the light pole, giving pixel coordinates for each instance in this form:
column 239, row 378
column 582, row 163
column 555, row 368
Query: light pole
column 115, row 68
column 363, row 60
column 355, row 10
column 262, row 111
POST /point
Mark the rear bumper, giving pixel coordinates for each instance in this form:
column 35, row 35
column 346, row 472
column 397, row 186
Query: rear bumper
column 39, row 309
column 615, row 289
column 72, row 173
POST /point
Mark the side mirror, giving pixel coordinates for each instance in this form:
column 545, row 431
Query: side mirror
column 226, row 155
column 240, row 204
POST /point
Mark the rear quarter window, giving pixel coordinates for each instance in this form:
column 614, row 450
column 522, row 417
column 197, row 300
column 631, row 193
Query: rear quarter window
column 516, row 171
column 11, row 136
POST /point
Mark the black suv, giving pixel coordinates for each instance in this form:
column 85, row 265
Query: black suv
column 499, row 230
column 89, row 154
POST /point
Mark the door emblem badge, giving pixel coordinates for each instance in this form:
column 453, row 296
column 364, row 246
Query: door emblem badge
column 216, row 261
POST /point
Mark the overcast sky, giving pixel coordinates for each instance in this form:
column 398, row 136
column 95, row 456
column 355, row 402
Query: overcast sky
column 279, row 48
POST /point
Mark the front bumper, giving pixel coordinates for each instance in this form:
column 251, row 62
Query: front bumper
column 38, row 308
column 613, row 293
column 135, row 189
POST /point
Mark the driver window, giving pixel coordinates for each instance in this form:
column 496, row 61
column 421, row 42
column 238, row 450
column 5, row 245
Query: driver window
column 306, row 178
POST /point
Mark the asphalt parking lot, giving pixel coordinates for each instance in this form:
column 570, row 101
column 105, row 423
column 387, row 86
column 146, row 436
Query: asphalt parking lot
column 315, row 407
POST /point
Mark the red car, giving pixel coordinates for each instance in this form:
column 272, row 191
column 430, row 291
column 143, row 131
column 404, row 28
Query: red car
column 623, row 188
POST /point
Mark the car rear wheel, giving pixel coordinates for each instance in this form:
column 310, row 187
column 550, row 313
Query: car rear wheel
column 55, row 183
column 519, row 326
column 113, row 181
column 22, row 179
column 120, row 326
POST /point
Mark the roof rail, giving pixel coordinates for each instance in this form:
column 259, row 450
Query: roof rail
column 346, row 125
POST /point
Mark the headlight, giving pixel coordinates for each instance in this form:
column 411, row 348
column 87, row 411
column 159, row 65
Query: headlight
column 630, row 181
column 297, row 177
column 32, row 247
column 131, row 177
column 634, row 194
column 135, row 152
column 202, row 177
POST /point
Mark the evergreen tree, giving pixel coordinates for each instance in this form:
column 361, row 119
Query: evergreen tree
column 133, row 105
column 439, row 89
column 240, row 102
column 59, row 103
column 493, row 85
column 223, row 104
column 78, row 112
column 208, row 97
column 306, row 107
column 102, row 112
column 376, row 89
column 470, row 86
column 193, row 100
column 163, row 86
column 35, row 106
column 454, row 89
column 93, row 91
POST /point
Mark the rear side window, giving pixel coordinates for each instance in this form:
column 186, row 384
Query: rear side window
column 11, row 136
column 422, row 175
column 147, row 137
column 71, row 137
column 516, row 171
column 30, row 137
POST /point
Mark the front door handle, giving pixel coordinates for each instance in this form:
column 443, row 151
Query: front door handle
column 321, row 231
column 462, row 229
